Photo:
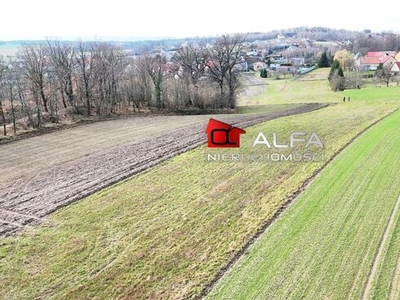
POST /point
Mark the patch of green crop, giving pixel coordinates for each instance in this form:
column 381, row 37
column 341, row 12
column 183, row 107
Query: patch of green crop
column 324, row 245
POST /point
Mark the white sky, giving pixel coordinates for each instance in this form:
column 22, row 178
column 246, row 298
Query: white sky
column 72, row 19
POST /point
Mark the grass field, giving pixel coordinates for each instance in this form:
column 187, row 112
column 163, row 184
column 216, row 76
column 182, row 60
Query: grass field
column 386, row 283
column 165, row 233
column 314, row 87
column 374, row 94
column 324, row 246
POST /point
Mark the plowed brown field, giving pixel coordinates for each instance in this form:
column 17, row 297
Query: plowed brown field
column 43, row 173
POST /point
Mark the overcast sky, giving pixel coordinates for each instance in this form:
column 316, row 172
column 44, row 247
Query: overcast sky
column 73, row 19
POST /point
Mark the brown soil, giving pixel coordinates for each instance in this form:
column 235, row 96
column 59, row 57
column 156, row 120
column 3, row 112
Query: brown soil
column 44, row 173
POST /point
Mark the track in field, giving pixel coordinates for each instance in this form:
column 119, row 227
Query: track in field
column 379, row 255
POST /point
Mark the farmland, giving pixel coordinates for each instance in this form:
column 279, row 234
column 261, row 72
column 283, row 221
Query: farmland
column 167, row 232
column 60, row 168
column 324, row 246
column 170, row 230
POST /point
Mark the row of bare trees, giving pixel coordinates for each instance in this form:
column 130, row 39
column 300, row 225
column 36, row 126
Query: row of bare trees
column 50, row 81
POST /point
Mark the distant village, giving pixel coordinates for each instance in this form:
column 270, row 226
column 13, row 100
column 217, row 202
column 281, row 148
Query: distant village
column 283, row 55
column 53, row 81
column 282, row 52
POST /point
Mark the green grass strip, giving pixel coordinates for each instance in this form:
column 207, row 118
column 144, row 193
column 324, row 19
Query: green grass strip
column 323, row 247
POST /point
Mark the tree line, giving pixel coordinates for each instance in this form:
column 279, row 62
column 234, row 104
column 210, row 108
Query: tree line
column 49, row 81
column 344, row 60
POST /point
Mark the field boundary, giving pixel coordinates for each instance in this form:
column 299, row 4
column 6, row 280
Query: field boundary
column 60, row 127
column 379, row 253
column 97, row 119
column 289, row 200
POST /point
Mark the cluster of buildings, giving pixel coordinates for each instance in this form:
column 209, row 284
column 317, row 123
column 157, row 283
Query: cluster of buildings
column 287, row 55
column 372, row 60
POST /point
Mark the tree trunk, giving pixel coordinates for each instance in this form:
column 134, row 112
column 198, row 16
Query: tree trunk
column 39, row 121
column 13, row 114
column 87, row 102
column 3, row 117
column 158, row 95
column 63, row 99
column 44, row 100
column 69, row 91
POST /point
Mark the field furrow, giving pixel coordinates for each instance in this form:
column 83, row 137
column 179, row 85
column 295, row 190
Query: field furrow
column 64, row 174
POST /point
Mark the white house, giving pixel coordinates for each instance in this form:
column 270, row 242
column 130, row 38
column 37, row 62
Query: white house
column 395, row 68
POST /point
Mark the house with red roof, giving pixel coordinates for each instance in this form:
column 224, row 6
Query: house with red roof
column 366, row 63
column 381, row 54
column 372, row 60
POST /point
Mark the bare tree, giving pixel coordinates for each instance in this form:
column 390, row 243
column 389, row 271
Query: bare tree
column 137, row 85
column 191, row 58
column 86, row 72
column 62, row 58
column 10, row 86
column 56, row 75
column 155, row 68
column 223, row 58
column 34, row 68
column 384, row 74
column 144, row 81
column 3, row 68
column 109, row 64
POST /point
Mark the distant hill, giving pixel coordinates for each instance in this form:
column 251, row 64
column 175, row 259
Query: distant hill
column 359, row 41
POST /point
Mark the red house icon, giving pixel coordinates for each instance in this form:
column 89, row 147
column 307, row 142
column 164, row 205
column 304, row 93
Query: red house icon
column 222, row 135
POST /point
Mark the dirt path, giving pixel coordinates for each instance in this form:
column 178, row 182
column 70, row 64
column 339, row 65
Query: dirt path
column 253, row 85
column 382, row 245
column 44, row 173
